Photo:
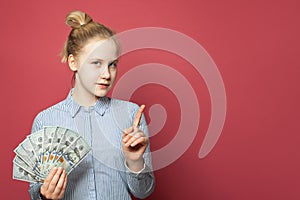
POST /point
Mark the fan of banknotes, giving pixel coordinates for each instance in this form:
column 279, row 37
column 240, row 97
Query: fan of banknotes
column 49, row 147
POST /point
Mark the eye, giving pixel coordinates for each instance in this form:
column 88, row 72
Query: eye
column 113, row 64
column 97, row 63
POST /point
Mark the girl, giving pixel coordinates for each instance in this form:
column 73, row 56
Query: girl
column 120, row 161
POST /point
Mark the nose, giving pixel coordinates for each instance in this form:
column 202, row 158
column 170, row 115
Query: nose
column 105, row 74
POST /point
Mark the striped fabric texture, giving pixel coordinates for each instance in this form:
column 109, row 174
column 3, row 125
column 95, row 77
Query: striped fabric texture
column 103, row 174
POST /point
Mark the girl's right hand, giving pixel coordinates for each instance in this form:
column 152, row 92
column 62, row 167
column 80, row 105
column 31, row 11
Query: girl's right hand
column 55, row 184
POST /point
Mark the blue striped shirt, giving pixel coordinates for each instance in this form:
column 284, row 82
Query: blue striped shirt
column 103, row 174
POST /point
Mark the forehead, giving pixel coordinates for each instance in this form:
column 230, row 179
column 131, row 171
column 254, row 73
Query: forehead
column 104, row 49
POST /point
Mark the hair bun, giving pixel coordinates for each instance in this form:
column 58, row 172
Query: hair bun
column 76, row 19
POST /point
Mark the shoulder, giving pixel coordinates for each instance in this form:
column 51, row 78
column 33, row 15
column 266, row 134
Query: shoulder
column 60, row 106
column 123, row 103
column 125, row 107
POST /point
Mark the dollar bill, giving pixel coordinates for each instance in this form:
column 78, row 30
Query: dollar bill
column 47, row 148
column 48, row 134
column 30, row 169
column 59, row 134
column 66, row 140
column 19, row 173
column 77, row 151
column 26, row 152
column 36, row 140
column 61, row 162
column 57, row 138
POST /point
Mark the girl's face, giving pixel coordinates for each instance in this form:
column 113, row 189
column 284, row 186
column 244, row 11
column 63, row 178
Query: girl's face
column 96, row 68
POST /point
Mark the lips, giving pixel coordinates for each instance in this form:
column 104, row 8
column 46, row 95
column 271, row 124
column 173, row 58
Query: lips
column 103, row 85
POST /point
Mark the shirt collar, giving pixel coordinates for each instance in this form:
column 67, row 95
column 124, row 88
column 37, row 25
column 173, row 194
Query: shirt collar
column 100, row 107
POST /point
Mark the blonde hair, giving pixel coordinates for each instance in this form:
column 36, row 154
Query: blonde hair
column 83, row 29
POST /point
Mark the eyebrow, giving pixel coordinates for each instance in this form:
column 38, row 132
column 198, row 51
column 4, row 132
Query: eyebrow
column 116, row 60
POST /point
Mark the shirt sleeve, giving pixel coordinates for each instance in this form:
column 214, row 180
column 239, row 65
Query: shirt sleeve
column 34, row 191
column 34, row 188
column 141, row 184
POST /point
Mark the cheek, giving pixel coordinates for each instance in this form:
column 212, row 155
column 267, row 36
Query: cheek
column 91, row 75
column 113, row 75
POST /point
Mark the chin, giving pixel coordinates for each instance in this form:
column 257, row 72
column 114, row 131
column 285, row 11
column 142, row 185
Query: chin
column 101, row 94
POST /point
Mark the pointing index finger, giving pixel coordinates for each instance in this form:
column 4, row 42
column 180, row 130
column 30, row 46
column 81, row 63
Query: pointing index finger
column 138, row 116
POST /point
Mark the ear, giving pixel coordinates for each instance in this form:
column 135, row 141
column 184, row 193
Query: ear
column 72, row 63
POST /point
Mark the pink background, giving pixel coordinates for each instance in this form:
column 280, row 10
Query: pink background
column 255, row 45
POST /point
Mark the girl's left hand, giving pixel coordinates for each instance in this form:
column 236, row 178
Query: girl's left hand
column 134, row 144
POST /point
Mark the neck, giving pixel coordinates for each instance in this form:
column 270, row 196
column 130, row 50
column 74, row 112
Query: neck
column 83, row 97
